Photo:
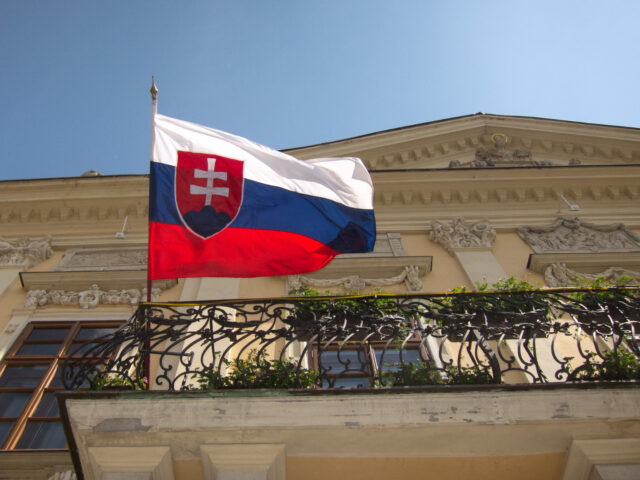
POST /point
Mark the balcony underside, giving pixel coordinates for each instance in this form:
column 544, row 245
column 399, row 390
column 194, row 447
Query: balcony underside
column 489, row 432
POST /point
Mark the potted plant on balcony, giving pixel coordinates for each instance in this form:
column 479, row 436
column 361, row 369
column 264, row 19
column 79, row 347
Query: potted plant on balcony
column 422, row 373
column 349, row 314
column 118, row 381
column 603, row 302
column 615, row 365
column 255, row 371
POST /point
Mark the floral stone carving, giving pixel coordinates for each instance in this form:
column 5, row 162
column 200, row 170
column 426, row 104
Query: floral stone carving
column 461, row 233
column 559, row 275
column 410, row 276
column 90, row 298
column 24, row 252
column 569, row 234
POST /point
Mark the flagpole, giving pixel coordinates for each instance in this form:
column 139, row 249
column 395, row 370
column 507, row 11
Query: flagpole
column 154, row 109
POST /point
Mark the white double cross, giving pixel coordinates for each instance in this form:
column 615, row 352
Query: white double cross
column 209, row 190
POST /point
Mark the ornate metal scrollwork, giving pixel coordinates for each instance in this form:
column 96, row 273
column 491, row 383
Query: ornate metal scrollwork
column 370, row 341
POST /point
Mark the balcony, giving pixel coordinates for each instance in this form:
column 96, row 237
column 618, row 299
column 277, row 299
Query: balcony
column 543, row 383
column 422, row 341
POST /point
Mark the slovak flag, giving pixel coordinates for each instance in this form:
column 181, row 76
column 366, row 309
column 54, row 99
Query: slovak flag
column 223, row 206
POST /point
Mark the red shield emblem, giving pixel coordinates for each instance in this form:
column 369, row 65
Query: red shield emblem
column 208, row 191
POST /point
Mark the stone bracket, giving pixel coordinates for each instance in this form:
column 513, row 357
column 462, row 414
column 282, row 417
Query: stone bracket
column 257, row 461
column 584, row 455
column 130, row 462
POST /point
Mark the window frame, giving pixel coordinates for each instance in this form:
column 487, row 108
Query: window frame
column 370, row 370
column 45, row 385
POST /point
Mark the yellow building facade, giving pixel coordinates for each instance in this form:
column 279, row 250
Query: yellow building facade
column 460, row 202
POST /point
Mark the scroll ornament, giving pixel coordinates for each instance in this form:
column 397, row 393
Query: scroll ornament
column 24, row 252
column 559, row 275
column 87, row 298
column 354, row 283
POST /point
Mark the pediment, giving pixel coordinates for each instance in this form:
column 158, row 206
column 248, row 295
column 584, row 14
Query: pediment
column 495, row 140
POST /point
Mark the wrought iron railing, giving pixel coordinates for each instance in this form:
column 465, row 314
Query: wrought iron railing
column 369, row 341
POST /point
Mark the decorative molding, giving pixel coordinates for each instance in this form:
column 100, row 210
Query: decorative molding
column 444, row 140
column 24, row 252
column 461, row 233
column 585, row 262
column 499, row 156
column 570, row 234
column 559, row 275
column 510, row 198
column 90, row 298
column 82, row 280
column 92, row 259
column 410, row 275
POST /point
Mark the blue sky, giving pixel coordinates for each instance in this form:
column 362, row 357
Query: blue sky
column 75, row 75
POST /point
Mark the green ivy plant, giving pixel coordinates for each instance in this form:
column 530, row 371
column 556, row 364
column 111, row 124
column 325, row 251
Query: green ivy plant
column 421, row 373
column 514, row 297
column 113, row 380
column 349, row 304
column 604, row 292
column 616, row 365
column 257, row 372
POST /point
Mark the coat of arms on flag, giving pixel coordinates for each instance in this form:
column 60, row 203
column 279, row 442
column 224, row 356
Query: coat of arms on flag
column 208, row 191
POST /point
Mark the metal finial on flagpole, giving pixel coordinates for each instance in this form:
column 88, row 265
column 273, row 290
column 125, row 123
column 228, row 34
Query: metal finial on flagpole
column 153, row 90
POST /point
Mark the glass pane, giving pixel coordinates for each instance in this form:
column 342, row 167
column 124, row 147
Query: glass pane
column 91, row 333
column 40, row 435
column 48, row 334
column 48, row 407
column 12, row 403
column 24, row 376
column 5, row 427
column 90, row 348
column 336, row 361
column 391, row 359
column 39, row 349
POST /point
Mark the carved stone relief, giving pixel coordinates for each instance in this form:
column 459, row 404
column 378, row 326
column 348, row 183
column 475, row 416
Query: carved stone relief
column 90, row 298
column 559, row 275
column 461, row 233
column 499, row 156
column 24, row 252
column 91, row 259
column 354, row 283
column 569, row 234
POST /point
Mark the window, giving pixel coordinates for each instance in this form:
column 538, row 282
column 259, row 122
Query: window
column 357, row 365
column 30, row 376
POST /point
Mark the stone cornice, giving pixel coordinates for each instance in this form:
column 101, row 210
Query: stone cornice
column 437, row 143
column 405, row 200
column 408, row 200
column 29, row 207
